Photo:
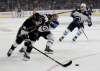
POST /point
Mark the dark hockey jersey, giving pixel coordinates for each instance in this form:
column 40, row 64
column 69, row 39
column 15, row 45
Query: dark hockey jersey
column 32, row 23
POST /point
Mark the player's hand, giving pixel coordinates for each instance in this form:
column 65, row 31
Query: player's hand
column 90, row 24
column 23, row 32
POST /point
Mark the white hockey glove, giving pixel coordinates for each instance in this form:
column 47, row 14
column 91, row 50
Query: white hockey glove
column 23, row 32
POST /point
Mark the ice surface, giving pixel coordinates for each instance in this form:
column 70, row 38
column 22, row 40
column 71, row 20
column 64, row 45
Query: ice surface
column 84, row 52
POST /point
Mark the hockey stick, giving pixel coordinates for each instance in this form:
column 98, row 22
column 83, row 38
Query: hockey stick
column 64, row 65
column 84, row 33
column 60, row 12
column 63, row 12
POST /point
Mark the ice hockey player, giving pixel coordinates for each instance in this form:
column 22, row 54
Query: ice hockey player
column 79, row 15
column 43, row 31
column 31, row 24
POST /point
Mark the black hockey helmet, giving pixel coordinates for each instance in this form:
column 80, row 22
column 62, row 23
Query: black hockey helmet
column 36, row 16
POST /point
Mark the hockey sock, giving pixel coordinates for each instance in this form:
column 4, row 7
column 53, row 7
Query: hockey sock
column 77, row 35
column 64, row 34
column 50, row 42
column 28, row 44
column 14, row 45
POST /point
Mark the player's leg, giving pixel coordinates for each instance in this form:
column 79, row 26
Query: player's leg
column 23, row 49
column 29, row 45
column 64, row 34
column 19, row 40
column 50, row 40
column 70, row 28
column 79, row 32
column 14, row 45
column 33, row 36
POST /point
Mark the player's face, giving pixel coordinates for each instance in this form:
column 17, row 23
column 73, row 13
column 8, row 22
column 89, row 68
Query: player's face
column 82, row 8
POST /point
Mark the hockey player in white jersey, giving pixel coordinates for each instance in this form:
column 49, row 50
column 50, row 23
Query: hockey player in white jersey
column 79, row 15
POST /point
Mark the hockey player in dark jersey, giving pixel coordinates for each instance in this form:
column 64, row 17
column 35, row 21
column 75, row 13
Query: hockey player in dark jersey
column 30, row 25
column 43, row 31
column 80, row 15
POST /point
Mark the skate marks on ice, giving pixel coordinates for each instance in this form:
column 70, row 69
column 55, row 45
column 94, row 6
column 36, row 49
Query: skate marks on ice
column 88, row 62
column 14, row 58
column 84, row 59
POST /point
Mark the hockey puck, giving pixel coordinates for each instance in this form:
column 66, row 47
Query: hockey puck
column 76, row 64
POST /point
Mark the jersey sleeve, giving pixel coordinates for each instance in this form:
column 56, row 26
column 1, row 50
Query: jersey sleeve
column 54, row 24
column 28, row 25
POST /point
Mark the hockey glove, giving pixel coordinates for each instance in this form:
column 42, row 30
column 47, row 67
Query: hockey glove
column 23, row 32
column 90, row 24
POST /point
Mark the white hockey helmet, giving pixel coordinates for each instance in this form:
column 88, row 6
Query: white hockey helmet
column 83, row 7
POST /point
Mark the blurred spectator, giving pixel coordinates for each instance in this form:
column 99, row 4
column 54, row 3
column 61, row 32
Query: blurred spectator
column 26, row 5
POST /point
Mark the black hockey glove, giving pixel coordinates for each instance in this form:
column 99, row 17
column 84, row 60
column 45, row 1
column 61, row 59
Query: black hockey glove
column 89, row 24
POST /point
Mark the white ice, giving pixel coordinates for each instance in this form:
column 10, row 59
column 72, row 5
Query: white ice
column 84, row 52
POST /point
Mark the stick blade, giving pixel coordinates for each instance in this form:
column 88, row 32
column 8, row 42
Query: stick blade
column 67, row 64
